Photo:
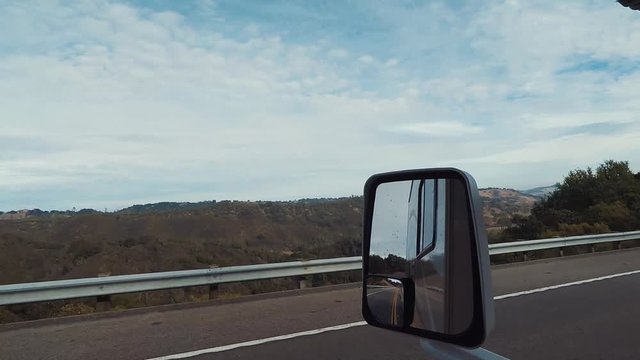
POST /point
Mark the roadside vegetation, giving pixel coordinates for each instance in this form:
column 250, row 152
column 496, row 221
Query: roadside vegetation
column 587, row 201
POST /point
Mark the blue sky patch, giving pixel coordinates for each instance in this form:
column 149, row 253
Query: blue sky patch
column 616, row 67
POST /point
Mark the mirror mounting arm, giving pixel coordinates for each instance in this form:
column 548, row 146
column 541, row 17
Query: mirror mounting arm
column 444, row 351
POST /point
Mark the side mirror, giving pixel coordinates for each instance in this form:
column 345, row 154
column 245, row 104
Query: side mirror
column 426, row 258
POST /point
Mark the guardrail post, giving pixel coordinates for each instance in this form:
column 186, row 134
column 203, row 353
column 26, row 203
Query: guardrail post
column 524, row 256
column 303, row 283
column 103, row 303
column 213, row 291
column 561, row 252
column 593, row 248
column 618, row 245
column 213, row 288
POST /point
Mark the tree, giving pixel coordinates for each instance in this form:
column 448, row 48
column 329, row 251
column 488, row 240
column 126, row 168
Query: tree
column 594, row 201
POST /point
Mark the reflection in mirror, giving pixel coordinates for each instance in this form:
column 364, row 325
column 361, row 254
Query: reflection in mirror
column 389, row 300
column 421, row 232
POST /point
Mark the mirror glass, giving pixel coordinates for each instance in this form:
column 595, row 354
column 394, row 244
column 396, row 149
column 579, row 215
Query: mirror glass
column 422, row 234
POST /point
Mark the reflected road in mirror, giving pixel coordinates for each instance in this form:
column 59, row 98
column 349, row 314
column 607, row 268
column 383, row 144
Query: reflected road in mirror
column 385, row 297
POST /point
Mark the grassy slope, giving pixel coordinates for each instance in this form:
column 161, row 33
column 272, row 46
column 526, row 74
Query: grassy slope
column 229, row 233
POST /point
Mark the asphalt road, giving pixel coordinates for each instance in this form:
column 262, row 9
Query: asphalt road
column 593, row 320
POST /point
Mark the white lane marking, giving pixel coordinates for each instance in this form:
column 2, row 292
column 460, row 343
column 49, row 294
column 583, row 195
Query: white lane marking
column 258, row 342
column 189, row 354
column 552, row 287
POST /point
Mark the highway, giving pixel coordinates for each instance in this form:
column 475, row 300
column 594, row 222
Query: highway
column 579, row 307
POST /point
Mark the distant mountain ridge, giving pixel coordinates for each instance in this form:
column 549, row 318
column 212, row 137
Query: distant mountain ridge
column 37, row 213
column 166, row 206
column 150, row 208
column 541, row 191
column 499, row 204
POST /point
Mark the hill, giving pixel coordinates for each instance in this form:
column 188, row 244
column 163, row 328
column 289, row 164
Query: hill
column 163, row 207
column 500, row 204
column 540, row 192
column 37, row 213
column 224, row 234
column 37, row 245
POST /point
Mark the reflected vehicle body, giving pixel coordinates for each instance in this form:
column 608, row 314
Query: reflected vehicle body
column 425, row 252
column 432, row 203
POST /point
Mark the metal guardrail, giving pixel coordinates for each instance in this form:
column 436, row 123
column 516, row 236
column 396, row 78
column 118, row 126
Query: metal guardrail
column 560, row 242
column 105, row 286
column 109, row 285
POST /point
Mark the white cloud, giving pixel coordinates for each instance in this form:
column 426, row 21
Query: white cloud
column 367, row 59
column 391, row 62
column 338, row 53
column 577, row 119
column 140, row 104
column 572, row 148
column 438, row 128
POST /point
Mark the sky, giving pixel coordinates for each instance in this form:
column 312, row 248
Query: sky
column 390, row 219
column 106, row 104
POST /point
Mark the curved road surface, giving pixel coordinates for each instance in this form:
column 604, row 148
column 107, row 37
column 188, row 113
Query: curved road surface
column 576, row 307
